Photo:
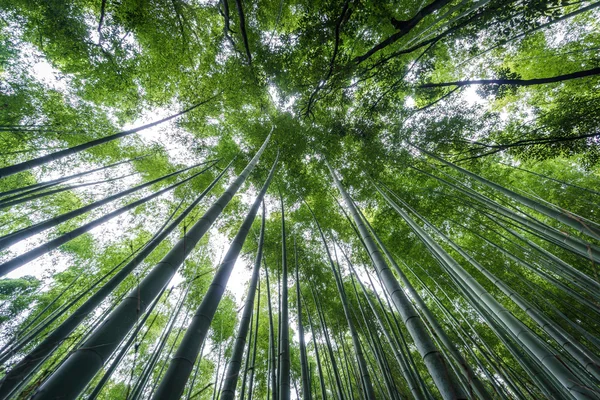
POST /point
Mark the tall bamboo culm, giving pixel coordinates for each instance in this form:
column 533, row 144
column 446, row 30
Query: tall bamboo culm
column 306, row 392
column 284, row 335
column 235, row 363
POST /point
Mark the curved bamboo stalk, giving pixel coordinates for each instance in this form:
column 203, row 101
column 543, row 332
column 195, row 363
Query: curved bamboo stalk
column 475, row 333
column 75, row 342
column 523, row 82
column 215, row 385
column 376, row 362
column 268, row 375
column 382, row 361
column 375, row 352
column 576, row 276
column 156, row 354
column 402, row 343
column 399, row 338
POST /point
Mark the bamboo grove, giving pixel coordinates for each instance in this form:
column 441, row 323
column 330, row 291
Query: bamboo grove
column 271, row 199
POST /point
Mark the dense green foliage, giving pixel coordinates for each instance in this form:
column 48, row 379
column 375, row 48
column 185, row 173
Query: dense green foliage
column 371, row 87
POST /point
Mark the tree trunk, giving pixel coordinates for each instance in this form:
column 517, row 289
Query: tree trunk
column 471, row 378
column 565, row 217
column 317, row 354
column 334, row 366
column 403, row 27
column 552, row 179
column 198, row 361
column 253, row 366
column 272, row 373
column 350, row 371
column 518, row 82
column 156, row 353
column 529, row 341
column 498, row 384
column 20, row 199
column 362, row 365
column 216, row 384
column 125, row 348
column 45, row 185
column 548, row 233
column 583, row 355
column 247, row 361
column 412, row 384
column 240, row 10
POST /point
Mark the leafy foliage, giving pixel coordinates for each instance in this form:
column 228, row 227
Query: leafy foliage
column 363, row 85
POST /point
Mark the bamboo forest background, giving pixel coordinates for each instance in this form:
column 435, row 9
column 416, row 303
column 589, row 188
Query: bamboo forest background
column 317, row 199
